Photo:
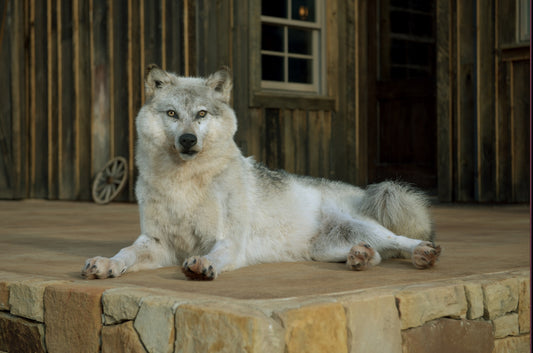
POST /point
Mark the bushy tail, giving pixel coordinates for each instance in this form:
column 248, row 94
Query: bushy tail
column 400, row 208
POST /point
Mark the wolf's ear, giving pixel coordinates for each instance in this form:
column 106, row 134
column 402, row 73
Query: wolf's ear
column 155, row 79
column 221, row 83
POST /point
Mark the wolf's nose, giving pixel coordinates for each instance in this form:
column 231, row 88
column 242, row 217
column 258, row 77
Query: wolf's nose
column 188, row 140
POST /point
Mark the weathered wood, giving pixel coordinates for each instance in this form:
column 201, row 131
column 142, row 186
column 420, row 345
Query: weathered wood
column 521, row 127
column 135, row 84
column 444, row 100
column 100, row 72
column 465, row 98
column 486, row 154
column 274, row 156
column 39, row 102
column 52, row 53
column 503, row 134
column 364, row 67
column 82, row 81
column 66, row 103
column 7, row 175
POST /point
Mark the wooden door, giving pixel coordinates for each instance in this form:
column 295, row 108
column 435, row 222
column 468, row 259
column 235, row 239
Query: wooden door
column 402, row 113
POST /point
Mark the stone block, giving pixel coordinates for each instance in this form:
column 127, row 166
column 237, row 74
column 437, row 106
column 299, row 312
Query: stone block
column 315, row 328
column 225, row 328
column 121, row 339
column 506, row 325
column 4, row 295
column 474, row 299
column 73, row 317
column 122, row 304
column 420, row 304
column 373, row 324
column 26, row 298
column 500, row 297
column 524, row 306
column 448, row 335
column 155, row 323
column 519, row 344
column 20, row 335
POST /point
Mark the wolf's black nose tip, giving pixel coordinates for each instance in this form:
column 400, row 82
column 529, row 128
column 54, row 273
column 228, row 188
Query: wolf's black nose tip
column 188, row 140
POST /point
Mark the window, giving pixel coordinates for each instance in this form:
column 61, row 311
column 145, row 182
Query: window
column 291, row 33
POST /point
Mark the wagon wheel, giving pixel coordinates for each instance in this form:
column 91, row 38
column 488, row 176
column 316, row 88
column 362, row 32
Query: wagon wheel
column 110, row 181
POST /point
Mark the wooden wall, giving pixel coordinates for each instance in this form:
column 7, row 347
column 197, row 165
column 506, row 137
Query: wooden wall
column 72, row 83
column 482, row 103
column 72, row 73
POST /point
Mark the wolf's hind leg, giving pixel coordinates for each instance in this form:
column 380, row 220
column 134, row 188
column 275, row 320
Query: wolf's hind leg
column 340, row 232
column 341, row 238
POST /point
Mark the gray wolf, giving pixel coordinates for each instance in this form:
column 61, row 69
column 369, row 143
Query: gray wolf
column 209, row 209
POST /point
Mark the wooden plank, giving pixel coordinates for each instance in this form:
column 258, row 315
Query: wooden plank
column 152, row 34
column 100, row 72
column 288, row 146
column 240, row 67
column 503, row 134
column 174, row 40
column 325, row 145
column 444, row 100
column 66, row 103
column 255, row 141
column 274, row 156
column 505, row 22
column 135, row 83
column 82, row 81
column 120, row 89
column 15, row 40
column 521, row 127
column 466, row 145
column 190, row 52
column 364, row 87
column 7, row 172
column 52, row 52
column 313, row 121
column 301, row 141
column 39, row 101
column 486, row 154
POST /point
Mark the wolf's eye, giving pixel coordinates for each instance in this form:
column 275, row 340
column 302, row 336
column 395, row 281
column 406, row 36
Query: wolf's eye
column 172, row 113
column 201, row 114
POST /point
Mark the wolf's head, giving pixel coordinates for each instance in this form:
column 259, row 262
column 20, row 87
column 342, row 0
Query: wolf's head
column 187, row 116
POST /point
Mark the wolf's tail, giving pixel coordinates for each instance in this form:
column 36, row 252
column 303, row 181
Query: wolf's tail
column 400, row 208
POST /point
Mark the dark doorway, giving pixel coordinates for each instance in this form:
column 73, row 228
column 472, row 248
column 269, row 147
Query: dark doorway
column 402, row 115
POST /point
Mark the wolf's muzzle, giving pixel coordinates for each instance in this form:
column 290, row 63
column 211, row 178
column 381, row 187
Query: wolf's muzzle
column 187, row 141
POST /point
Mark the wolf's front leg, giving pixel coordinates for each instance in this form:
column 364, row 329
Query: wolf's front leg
column 206, row 268
column 145, row 253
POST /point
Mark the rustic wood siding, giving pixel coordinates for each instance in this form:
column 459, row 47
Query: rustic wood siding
column 483, row 103
column 298, row 141
column 72, row 84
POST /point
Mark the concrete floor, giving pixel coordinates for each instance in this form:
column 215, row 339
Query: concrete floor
column 52, row 239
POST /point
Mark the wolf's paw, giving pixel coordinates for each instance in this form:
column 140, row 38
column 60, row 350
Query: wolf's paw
column 360, row 257
column 102, row 267
column 425, row 255
column 199, row 269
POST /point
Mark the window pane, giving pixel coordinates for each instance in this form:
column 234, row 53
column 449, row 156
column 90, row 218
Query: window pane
column 300, row 41
column 272, row 68
column 272, row 38
column 274, row 8
column 300, row 70
column 303, row 10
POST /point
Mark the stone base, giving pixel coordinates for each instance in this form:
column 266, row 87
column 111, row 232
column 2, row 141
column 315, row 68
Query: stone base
column 434, row 317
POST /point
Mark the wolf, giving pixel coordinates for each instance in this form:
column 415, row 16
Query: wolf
column 206, row 207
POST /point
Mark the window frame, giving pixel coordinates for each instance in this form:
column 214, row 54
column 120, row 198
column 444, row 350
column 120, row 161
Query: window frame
column 318, row 28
